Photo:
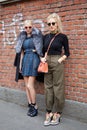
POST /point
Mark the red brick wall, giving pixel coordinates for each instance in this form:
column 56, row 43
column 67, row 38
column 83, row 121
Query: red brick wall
column 74, row 18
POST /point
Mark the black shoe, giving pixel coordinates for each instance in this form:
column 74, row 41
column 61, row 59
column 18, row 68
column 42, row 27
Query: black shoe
column 29, row 105
column 33, row 111
column 29, row 110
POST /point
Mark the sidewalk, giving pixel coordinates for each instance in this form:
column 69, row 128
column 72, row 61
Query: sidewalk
column 14, row 117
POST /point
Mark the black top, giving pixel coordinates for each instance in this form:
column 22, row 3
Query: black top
column 60, row 42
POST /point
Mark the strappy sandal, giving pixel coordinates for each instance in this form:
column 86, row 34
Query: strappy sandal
column 56, row 119
column 49, row 116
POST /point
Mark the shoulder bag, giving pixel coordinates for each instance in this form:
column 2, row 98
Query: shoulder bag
column 43, row 66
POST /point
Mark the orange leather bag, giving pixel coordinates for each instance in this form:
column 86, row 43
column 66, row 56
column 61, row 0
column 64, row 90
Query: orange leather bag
column 43, row 67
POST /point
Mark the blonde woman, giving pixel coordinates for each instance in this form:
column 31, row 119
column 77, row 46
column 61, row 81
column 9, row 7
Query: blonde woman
column 54, row 79
column 29, row 44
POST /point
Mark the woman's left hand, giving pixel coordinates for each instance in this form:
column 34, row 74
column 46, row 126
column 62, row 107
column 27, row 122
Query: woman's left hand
column 43, row 59
column 60, row 60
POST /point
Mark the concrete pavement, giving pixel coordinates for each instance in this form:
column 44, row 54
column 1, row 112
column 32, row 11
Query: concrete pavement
column 14, row 117
column 72, row 109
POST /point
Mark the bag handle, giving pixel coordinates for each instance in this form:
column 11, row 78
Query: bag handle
column 50, row 45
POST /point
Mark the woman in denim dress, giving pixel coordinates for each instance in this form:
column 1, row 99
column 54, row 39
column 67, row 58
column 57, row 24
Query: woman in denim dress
column 29, row 44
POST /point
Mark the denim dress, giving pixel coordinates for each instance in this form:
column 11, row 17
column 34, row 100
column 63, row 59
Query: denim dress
column 31, row 59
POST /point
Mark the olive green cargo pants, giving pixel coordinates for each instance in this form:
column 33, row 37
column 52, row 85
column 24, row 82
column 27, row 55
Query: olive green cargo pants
column 54, row 84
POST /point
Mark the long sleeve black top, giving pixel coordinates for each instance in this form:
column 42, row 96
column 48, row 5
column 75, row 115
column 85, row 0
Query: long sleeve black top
column 59, row 43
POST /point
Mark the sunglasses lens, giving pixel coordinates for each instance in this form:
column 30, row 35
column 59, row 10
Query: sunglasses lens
column 53, row 23
column 30, row 27
column 25, row 27
column 49, row 24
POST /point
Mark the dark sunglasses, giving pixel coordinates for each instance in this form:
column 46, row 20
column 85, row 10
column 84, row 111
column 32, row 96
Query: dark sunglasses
column 49, row 24
column 28, row 27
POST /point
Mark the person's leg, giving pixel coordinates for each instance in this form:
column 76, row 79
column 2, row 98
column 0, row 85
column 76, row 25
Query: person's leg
column 48, row 91
column 48, row 97
column 28, row 95
column 58, row 85
column 31, row 87
column 27, row 90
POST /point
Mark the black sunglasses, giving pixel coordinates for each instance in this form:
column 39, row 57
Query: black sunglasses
column 28, row 27
column 49, row 24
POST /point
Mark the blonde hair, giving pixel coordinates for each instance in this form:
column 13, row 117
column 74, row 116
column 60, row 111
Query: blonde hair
column 58, row 20
column 28, row 23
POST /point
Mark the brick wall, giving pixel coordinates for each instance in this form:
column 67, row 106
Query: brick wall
column 74, row 18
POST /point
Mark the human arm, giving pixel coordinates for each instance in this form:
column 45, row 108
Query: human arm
column 21, row 57
column 60, row 60
column 66, row 49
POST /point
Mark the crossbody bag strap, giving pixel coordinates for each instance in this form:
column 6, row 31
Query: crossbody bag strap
column 50, row 45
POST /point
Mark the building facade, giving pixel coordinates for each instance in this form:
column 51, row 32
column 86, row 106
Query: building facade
column 73, row 14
